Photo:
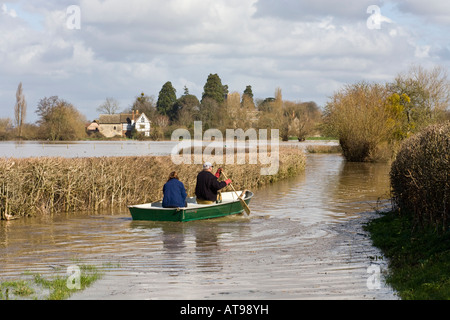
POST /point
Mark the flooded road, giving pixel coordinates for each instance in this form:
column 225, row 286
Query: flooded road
column 303, row 240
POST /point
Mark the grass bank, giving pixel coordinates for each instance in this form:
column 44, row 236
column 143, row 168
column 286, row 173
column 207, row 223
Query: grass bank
column 416, row 235
column 47, row 185
column 419, row 259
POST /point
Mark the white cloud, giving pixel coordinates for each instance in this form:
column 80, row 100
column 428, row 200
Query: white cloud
column 12, row 13
column 125, row 47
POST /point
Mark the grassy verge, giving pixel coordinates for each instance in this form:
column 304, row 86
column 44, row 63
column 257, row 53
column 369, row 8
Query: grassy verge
column 419, row 261
column 56, row 288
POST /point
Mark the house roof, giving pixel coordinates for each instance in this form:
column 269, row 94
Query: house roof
column 116, row 118
column 142, row 115
column 92, row 126
column 109, row 119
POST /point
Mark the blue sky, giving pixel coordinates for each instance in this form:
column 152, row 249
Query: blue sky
column 309, row 49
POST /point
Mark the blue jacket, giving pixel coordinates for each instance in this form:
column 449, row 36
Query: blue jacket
column 174, row 194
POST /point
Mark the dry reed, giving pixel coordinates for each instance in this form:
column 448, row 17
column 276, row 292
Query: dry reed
column 420, row 177
column 48, row 185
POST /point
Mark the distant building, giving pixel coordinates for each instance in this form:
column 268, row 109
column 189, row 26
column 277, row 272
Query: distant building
column 111, row 125
column 143, row 125
column 92, row 127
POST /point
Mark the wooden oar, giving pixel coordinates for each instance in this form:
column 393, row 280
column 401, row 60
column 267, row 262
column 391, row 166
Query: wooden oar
column 244, row 205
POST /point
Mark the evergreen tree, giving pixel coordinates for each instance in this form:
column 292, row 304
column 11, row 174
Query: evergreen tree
column 248, row 92
column 247, row 99
column 214, row 89
column 166, row 99
column 185, row 109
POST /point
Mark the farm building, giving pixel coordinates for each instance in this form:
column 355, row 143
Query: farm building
column 111, row 125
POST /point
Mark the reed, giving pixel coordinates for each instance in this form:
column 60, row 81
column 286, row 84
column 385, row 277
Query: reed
column 420, row 177
column 48, row 185
column 323, row 149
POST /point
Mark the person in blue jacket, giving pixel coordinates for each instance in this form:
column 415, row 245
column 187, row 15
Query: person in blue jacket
column 174, row 192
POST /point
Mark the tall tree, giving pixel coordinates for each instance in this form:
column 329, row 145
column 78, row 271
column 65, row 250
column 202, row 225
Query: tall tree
column 20, row 109
column 428, row 92
column 110, row 106
column 60, row 120
column 166, row 99
column 214, row 89
column 247, row 99
column 144, row 104
column 185, row 109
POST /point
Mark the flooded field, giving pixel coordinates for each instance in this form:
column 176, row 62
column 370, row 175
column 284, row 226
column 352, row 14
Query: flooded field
column 304, row 240
column 27, row 149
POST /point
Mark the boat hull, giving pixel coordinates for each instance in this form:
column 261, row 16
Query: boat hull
column 230, row 205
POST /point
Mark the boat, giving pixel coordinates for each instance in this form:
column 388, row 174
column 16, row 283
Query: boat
column 230, row 204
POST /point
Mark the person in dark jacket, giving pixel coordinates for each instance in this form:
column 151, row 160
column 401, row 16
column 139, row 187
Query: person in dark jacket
column 208, row 184
column 174, row 192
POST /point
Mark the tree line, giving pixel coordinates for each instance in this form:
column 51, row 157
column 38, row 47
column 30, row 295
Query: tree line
column 217, row 108
column 369, row 119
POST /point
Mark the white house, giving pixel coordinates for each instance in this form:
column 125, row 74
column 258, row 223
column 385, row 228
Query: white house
column 143, row 125
column 111, row 125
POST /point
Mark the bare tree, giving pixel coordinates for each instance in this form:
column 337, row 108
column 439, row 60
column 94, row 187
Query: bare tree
column 20, row 109
column 110, row 106
column 429, row 94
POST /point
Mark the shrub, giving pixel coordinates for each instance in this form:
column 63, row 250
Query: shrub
column 420, row 176
column 357, row 115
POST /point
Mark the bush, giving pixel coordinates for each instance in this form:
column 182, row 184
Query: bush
column 420, row 177
column 357, row 115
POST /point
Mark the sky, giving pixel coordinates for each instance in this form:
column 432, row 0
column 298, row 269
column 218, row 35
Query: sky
column 85, row 51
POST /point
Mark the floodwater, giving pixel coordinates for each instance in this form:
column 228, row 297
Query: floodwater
column 303, row 240
column 27, row 149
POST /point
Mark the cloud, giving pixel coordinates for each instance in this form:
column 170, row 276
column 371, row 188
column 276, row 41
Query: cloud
column 351, row 10
column 12, row 13
column 125, row 47
column 435, row 11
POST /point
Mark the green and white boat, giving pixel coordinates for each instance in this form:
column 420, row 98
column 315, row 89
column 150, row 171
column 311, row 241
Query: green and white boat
column 230, row 204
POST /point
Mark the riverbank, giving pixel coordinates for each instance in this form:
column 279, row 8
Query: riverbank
column 40, row 186
column 419, row 260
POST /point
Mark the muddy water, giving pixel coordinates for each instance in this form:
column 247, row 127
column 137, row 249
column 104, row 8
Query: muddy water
column 304, row 240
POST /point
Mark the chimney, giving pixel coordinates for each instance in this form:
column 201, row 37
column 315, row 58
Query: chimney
column 132, row 116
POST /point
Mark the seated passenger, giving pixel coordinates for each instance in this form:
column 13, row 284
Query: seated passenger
column 174, row 192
